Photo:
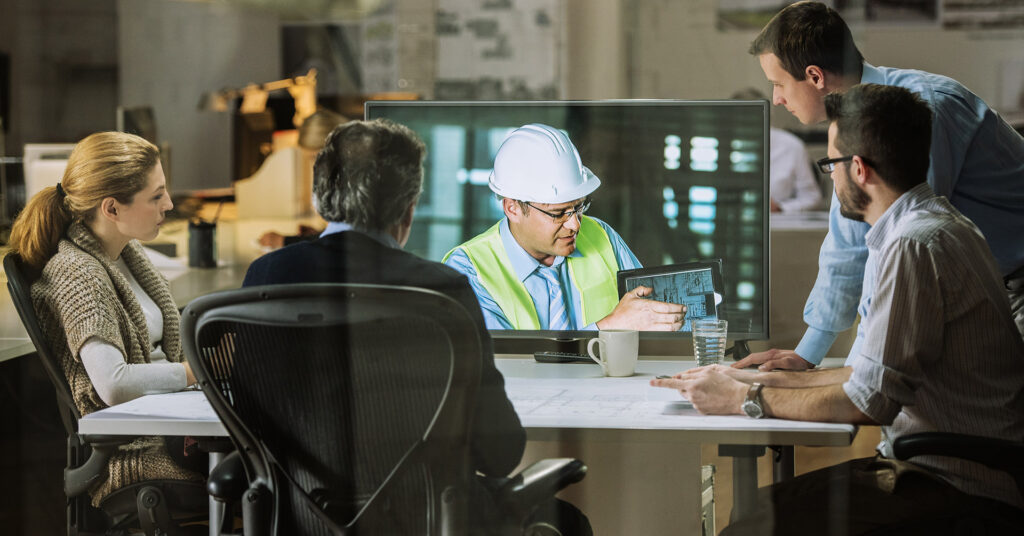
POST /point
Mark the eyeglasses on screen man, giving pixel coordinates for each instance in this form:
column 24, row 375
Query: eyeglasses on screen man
column 565, row 215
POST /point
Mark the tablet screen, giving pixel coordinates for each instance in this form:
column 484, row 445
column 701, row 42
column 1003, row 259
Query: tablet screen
column 691, row 284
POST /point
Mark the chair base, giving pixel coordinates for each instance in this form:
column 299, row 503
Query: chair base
column 147, row 505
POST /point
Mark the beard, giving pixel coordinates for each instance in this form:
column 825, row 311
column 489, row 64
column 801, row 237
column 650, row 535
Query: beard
column 853, row 202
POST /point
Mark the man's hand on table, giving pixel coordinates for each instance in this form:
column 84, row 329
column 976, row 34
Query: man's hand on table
column 713, row 390
column 774, row 359
column 743, row 375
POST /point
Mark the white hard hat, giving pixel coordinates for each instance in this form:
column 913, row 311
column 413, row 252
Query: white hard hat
column 538, row 163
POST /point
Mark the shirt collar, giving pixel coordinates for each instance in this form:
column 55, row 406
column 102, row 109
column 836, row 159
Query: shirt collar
column 892, row 215
column 871, row 75
column 522, row 262
column 341, row 227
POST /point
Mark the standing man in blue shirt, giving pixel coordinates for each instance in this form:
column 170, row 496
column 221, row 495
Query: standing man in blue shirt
column 977, row 162
column 941, row 355
column 546, row 266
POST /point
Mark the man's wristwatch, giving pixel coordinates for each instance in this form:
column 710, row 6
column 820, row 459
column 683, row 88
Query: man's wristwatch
column 753, row 406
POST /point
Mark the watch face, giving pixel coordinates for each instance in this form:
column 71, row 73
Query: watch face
column 752, row 409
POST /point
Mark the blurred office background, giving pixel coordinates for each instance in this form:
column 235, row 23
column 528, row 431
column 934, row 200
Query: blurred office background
column 69, row 68
column 66, row 66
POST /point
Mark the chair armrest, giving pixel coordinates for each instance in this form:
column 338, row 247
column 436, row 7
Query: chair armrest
column 78, row 480
column 227, row 481
column 995, row 453
column 538, row 483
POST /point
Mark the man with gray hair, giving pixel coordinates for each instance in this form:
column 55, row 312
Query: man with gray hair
column 366, row 182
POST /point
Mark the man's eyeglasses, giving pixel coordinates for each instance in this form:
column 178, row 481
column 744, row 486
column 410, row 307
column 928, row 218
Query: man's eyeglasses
column 563, row 216
column 827, row 165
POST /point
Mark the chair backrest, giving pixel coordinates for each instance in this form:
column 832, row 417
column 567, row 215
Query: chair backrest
column 19, row 283
column 350, row 403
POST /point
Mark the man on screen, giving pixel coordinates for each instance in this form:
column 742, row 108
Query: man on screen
column 366, row 183
column 546, row 265
column 941, row 353
column 977, row 161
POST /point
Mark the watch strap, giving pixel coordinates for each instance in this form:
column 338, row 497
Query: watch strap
column 754, row 393
column 753, row 405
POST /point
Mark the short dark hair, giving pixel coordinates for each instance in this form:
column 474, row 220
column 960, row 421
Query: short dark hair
column 889, row 126
column 368, row 173
column 810, row 33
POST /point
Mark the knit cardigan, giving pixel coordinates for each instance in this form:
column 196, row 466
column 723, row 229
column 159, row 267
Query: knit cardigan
column 81, row 294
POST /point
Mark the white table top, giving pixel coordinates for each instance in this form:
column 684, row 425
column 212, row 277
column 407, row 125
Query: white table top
column 550, row 400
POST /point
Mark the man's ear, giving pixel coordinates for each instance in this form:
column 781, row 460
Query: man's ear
column 108, row 209
column 512, row 209
column 861, row 172
column 816, row 75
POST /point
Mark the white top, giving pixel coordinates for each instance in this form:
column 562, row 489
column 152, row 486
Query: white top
column 117, row 381
column 792, row 182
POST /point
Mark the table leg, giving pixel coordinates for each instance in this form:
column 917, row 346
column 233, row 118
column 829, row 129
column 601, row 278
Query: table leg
column 782, row 467
column 744, row 476
column 631, row 488
column 216, row 507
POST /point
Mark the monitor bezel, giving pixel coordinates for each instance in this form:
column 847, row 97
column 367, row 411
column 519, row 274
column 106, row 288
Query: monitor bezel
column 653, row 342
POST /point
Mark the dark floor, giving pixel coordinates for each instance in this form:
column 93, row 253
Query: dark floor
column 31, row 451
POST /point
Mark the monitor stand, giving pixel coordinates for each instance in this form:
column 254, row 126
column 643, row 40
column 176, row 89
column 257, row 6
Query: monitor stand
column 738, row 350
column 576, row 345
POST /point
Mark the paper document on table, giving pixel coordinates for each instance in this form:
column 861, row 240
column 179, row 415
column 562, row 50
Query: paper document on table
column 186, row 405
column 538, row 401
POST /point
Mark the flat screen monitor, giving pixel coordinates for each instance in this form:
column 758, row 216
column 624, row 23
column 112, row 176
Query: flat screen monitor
column 681, row 181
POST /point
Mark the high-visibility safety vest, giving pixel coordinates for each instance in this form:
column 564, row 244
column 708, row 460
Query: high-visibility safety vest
column 593, row 273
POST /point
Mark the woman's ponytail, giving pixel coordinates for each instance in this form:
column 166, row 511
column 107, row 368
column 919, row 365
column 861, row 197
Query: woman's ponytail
column 39, row 227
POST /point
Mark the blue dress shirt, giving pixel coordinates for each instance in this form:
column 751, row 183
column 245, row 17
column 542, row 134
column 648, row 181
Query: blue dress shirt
column 526, row 268
column 341, row 227
column 977, row 162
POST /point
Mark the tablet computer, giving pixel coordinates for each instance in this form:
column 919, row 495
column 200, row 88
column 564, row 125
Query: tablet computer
column 697, row 285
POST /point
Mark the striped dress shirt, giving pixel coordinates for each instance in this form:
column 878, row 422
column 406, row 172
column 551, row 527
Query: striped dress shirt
column 941, row 352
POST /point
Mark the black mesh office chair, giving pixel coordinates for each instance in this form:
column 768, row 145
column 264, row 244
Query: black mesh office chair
column 998, row 454
column 351, row 404
column 159, row 505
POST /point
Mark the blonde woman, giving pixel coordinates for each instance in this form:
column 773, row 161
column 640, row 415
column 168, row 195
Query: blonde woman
column 107, row 311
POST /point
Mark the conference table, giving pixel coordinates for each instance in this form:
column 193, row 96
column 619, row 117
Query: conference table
column 576, row 411
column 623, row 429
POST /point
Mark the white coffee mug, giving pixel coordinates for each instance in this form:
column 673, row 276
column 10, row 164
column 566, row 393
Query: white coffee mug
column 619, row 349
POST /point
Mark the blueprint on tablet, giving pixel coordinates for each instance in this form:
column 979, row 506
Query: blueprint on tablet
column 692, row 288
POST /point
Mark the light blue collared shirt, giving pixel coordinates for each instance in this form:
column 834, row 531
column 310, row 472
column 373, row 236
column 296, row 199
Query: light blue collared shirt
column 977, row 162
column 341, row 227
column 526, row 268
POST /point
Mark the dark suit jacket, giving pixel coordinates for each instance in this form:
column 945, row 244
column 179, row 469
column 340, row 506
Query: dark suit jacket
column 353, row 257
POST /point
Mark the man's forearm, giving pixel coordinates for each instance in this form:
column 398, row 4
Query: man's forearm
column 832, row 304
column 805, row 379
column 827, row 403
